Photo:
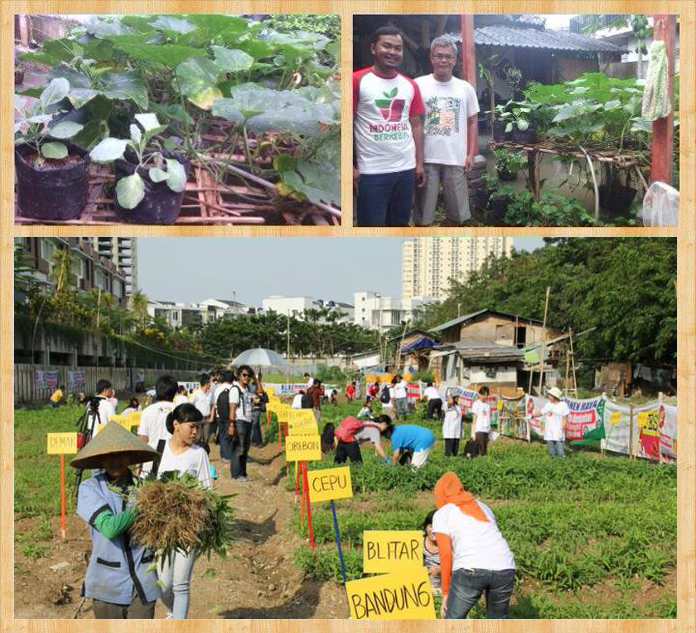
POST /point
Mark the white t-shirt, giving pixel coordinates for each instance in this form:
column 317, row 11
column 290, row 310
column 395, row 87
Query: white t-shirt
column 448, row 105
column 553, row 419
column 180, row 398
column 310, row 382
column 369, row 432
column 153, row 424
column 201, row 400
column 431, row 393
column 400, row 389
column 106, row 410
column 382, row 108
column 475, row 544
column 297, row 402
column 193, row 460
column 242, row 401
column 452, row 424
column 483, row 416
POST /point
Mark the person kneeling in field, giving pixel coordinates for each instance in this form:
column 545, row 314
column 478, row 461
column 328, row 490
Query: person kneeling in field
column 474, row 555
column 119, row 577
column 405, row 437
column 350, row 433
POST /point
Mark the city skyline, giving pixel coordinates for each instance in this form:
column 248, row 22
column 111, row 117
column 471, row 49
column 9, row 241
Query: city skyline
column 194, row 269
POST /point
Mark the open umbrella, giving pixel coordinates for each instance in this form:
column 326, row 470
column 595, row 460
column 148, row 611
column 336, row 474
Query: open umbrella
column 260, row 357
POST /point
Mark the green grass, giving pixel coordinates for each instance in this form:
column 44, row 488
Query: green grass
column 584, row 529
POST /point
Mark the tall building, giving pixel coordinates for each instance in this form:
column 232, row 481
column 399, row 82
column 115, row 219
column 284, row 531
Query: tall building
column 123, row 251
column 428, row 263
column 380, row 312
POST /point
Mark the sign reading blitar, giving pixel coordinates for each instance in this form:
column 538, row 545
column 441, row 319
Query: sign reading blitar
column 387, row 551
column 330, row 483
column 396, row 596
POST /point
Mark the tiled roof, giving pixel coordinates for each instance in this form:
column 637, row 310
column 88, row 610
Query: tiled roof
column 516, row 37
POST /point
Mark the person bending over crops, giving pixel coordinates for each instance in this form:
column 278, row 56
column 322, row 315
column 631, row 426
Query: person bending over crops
column 182, row 455
column 431, row 554
column 452, row 426
column 365, row 412
column 474, row 555
column 153, row 420
column 410, row 437
column 118, row 579
column 350, row 433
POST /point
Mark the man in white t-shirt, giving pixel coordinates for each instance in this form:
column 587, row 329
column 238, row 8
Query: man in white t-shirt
column 400, row 396
column 388, row 135
column 100, row 409
column 434, row 401
column 481, row 423
column 240, row 423
column 554, row 416
column 152, row 428
column 200, row 398
column 297, row 400
column 450, row 137
column 309, row 381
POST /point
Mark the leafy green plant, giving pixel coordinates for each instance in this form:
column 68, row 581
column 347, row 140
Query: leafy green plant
column 130, row 190
column 552, row 209
column 507, row 160
column 35, row 126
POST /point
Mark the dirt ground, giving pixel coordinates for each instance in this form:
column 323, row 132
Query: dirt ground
column 257, row 580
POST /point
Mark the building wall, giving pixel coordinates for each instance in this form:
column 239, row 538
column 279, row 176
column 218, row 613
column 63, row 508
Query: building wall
column 498, row 329
column 377, row 312
column 428, row 263
column 288, row 305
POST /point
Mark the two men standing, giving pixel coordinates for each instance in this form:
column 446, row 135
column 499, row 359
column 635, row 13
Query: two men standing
column 395, row 153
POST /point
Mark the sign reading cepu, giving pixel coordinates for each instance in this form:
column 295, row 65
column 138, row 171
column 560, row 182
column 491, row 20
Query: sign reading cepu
column 329, row 483
column 387, row 551
column 392, row 596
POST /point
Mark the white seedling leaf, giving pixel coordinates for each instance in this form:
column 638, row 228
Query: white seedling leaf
column 109, row 149
column 130, row 191
column 135, row 133
column 157, row 175
column 56, row 91
column 176, row 175
column 54, row 150
column 148, row 120
column 65, row 129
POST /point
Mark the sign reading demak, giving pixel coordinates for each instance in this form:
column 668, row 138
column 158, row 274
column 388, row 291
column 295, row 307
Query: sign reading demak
column 330, row 483
column 387, row 551
column 61, row 443
column 392, row 596
column 303, row 448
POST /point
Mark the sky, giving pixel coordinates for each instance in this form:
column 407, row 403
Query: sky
column 246, row 269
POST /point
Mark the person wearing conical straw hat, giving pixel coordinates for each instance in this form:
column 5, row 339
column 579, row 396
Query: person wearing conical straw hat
column 554, row 418
column 474, row 556
column 118, row 579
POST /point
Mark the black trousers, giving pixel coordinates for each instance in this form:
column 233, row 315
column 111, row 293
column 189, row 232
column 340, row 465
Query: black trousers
column 451, row 446
column 240, row 448
column 136, row 610
column 481, row 442
column 347, row 450
column 434, row 406
column 256, row 437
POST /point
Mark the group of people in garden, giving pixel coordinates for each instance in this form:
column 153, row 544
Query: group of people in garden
column 464, row 551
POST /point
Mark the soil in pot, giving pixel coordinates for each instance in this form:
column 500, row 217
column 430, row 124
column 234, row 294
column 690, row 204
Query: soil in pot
column 499, row 133
column 507, row 176
column 528, row 136
column 616, row 199
column 57, row 189
column 160, row 205
column 495, row 214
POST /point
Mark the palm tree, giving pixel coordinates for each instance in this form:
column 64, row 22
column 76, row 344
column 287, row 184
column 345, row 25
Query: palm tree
column 63, row 261
column 138, row 304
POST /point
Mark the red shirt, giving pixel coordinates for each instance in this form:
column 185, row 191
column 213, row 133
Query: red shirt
column 350, row 391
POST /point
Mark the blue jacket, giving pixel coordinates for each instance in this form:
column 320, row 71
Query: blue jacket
column 118, row 566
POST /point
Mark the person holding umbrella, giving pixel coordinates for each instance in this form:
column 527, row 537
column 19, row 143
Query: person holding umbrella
column 119, row 577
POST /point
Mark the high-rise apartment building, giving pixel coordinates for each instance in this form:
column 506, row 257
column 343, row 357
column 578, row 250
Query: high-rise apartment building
column 123, row 251
column 428, row 263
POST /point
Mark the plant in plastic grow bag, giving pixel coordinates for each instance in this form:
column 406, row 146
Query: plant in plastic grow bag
column 51, row 175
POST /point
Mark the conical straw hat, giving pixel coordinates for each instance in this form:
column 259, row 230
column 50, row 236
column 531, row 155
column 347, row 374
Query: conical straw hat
column 113, row 438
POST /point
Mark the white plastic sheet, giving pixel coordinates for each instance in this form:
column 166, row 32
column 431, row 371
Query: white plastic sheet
column 660, row 205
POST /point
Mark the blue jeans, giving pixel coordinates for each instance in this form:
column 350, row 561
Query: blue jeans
column 225, row 440
column 386, row 199
column 555, row 448
column 401, row 406
column 466, row 588
column 175, row 575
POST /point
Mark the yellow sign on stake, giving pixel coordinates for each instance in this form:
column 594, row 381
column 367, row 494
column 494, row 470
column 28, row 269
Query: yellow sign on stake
column 303, row 448
column 387, row 551
column 61, row 443
column 330, row 483
column 397, row 596
column 308, row 430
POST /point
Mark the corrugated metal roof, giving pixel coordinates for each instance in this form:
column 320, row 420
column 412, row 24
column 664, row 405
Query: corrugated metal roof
column 468, row 317
column 516, row 37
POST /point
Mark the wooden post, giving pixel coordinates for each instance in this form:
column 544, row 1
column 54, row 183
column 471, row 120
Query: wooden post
column 572, row 360
column 469, row 54
column 664, row 28
column 542, row 351
column 533, row 168
column 630, row 433
column 62, row 496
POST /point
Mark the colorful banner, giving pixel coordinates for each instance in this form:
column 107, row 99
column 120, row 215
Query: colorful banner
column 76, row 379
column 667, row 424
column 46, row 379
column 585, row 415
column 413, row 389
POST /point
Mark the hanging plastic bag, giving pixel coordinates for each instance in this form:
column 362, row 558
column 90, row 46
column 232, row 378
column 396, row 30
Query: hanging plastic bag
column 660, row 206
column 656, row 103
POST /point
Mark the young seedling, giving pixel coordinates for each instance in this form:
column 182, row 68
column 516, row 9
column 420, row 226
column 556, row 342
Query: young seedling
column 33, row 123
column 130, row 190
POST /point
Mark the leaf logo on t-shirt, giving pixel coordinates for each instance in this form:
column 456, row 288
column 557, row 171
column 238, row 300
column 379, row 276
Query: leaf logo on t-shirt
column 389, row 107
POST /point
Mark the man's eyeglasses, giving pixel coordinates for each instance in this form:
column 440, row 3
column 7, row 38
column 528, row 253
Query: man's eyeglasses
column 439, row 57
column 245, row 375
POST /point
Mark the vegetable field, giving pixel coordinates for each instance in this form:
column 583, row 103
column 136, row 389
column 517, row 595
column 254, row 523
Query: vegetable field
column 205, row 119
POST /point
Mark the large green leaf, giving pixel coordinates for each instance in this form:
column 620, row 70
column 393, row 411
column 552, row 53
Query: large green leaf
column 148, row 120
column 217, row 28
column 79, row 97
column 171, row 55
column 320, row 183
column 124, row 86
column 157, row 174
column 75, row 78
column 130, row 191
column 101, row 50
column 109, row 149
column 64, row 129
column 176, row 175
column 198, row 79
column 104, row 27
column 54, row 150
column 56, row 91
column 232, row 60
column 62, row 50
column 172, row 24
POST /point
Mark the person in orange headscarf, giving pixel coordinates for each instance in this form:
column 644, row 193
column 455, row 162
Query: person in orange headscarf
column 474, row 555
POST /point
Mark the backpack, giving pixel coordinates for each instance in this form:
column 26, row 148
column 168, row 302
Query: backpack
column 384, row 396
column 347, row 429
column 306, row 401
